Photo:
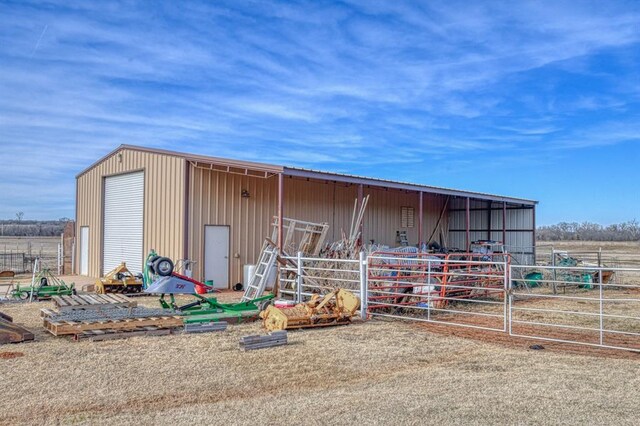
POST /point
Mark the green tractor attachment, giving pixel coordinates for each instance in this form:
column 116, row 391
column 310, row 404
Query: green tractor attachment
column 207, row 309
column 45, row 286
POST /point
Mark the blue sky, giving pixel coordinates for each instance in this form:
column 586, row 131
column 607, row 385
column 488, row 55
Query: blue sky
column 533, row 99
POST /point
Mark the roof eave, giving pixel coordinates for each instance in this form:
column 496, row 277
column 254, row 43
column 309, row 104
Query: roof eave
column 288, row 171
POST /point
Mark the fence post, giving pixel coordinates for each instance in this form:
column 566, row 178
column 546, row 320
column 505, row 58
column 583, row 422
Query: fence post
column 33, row 279
column 59, row 255
column 509, row 287
column 601, row 307
column 299, row 279
column 362, row 264
column 507, row 280
column 429, row 289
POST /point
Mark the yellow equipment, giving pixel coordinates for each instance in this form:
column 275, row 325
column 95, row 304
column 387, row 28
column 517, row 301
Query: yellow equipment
column 119, row 280
column 335, row 308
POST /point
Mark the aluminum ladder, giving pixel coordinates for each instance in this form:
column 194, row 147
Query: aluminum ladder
column 258, row 282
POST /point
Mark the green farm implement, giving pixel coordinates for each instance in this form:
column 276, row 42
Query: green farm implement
column 44, row 286
column 202, row 309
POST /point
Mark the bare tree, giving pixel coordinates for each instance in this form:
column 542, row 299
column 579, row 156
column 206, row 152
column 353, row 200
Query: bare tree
column 19, row 216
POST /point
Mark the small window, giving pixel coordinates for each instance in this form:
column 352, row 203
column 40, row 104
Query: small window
column 407, row 217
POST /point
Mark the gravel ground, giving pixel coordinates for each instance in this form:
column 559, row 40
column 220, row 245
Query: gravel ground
column 379, row 372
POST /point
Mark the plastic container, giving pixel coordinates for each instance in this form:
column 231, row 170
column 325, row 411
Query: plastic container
column 284, row 303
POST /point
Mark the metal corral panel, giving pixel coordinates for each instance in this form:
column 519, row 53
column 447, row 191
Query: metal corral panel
column 164, row 201
column 123, row 221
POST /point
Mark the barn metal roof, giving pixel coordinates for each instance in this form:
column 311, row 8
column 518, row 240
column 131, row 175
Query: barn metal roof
column 317, row 174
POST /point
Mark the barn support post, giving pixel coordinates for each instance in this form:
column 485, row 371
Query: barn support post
column 504, row 223
column 360, row 201
column 468, row 225
column 533, row 215
column 489, row 220
column 420, row 208
column 280, row 211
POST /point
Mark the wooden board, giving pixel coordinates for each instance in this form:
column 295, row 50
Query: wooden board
column 92, row 301
column 60, row 328
column 13, row 333
column 101, row 335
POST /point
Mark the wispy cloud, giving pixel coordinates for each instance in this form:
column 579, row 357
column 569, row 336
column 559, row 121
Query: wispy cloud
column 413, row 91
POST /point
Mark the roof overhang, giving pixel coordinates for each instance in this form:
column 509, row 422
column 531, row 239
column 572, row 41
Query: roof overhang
column 382, row 183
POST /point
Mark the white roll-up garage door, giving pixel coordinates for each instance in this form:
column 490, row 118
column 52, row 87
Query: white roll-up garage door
column 123, row 221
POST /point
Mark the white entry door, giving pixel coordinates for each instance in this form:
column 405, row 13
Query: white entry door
column 216, row 255
column 123, row 221
column 84, row 250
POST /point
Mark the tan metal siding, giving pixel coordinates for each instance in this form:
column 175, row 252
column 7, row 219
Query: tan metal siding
column 215, row 199
column 163, row 203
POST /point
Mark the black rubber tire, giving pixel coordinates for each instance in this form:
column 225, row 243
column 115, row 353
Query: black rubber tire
column 44, row 281
column 163, row 266
column 151, row 263
column 237, row 287
column 23, row 295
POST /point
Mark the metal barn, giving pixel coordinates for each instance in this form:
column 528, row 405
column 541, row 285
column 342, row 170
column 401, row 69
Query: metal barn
column 218, row 211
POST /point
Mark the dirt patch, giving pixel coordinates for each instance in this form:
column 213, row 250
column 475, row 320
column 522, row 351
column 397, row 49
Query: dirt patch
column 10, row 355
column 505, row 340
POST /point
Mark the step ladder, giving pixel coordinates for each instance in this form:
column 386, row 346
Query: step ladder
column 258, row 282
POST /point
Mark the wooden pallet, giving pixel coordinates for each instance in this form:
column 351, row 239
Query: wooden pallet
column 92, row 301
column 61, row 328
column 13, row 333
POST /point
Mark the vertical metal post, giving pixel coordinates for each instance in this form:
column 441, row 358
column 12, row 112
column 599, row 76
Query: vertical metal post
column 420, row 214
column 58, row 258
column 509, row 287
column 430, row 289
column 73, row 256
column 468, row 225
column 362, row 263
column 299, row 279
column 280, row 212
column 507, row 280
column 33, row 279
column 601, row 306
column 555, row 273
column 504, row 224
column 533, row 215
column 599, row 257
column 360, row 201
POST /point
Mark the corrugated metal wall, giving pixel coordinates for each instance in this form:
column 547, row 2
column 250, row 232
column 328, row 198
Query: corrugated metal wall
column 215, row 198
column 383, row 216
column 163, row 202
column 484, row 225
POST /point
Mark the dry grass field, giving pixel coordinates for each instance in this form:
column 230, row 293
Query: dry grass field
column 379, row 372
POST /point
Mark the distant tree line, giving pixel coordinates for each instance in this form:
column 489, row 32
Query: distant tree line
column 32, row 228
column 587, row 231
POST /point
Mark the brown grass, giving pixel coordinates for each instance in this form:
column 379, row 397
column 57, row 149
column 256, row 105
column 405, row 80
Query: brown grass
column 379, row 372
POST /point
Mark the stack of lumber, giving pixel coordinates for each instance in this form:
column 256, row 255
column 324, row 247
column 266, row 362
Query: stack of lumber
column 92, row 301
column 12, row 333
column 277, row 338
